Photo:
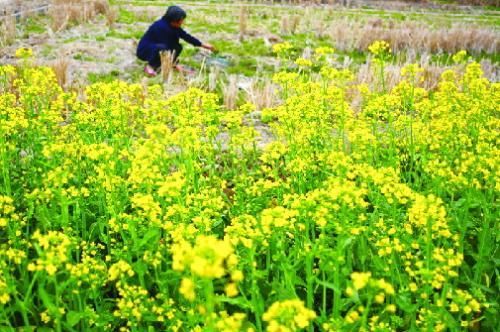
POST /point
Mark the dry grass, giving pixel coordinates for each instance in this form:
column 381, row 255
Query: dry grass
column 111, row 16
column 65, row 12
column 319, row 28
column 8, row 30
column 285, row 25
column 307, row 53
column 167, row 65
column 365, row 75
column 294, row 23
column 60, row 68
column 491, row 70
column 243, row 22
column 60, row 19
column 101, row 7
column 290, row 24
column 351, row 35
column 262, row 94
column 495, row 3
column 144, row 13
column 230, row 92
column 431, row 73
column 386, row 4
column 213, row 78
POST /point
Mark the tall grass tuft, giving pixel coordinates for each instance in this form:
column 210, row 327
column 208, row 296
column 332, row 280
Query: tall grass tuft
column 230, row 92
column 65, row 12
column 263, row 94
column 243, row 22
column 111, row 16
column 8, row 30
column 353, row 35
column 60, row 68
column 167, row 65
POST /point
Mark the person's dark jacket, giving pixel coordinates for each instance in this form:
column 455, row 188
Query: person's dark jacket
column 162, row 33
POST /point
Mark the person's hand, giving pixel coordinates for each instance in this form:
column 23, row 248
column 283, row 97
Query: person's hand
column 209, row 47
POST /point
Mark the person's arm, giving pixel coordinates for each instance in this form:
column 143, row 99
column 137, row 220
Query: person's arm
column 195, row 41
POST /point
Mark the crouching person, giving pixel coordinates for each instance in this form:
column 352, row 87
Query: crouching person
column 164, row 35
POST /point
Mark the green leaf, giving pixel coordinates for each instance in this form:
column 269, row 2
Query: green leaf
column 74, row 317
column 328, row 285
column 149, row 238
column 46, row 299
column 237, row 301
column 140, row 268
column 405, row 303
column 4, row 328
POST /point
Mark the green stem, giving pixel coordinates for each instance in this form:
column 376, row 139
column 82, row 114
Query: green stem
column 209, row 297
column 256, row 299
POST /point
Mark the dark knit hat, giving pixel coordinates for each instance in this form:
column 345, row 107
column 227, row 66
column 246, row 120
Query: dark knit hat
column 174, row 13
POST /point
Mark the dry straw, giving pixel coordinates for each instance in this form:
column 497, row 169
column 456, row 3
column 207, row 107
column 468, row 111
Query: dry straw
column 167, row 65
column 7, row 30
column 101, row 7
column 243, row 22
column 349, row 35
column 111, row 16
column 262, row 94
column 294, row 23
column 64, row 12
column 290, row 24
column 213, row 78
column 60, row 68
column 230, row 92
column 285, row 25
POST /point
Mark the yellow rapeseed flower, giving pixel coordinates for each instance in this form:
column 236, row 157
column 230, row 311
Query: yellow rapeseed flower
column 187, row 289
column 24, row 52
column 360, row 279
column 288, row 315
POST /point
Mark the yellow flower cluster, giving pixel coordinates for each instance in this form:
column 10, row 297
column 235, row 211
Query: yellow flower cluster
column 360, row 279
column 24, row 53
column 227, row 323
column 288, row 315
column 282, row 48
column 460, row 56
column 187, row 289
column 133, row 302
column 372, row 206
column 53, row 251
column 379, row 48
column 209, row 257
column 304, row 63
column 4, row 292
column 324, row 50
column 7, row 211
column 120, row 269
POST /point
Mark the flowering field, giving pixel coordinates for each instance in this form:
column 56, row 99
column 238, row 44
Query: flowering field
column 122, row 210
